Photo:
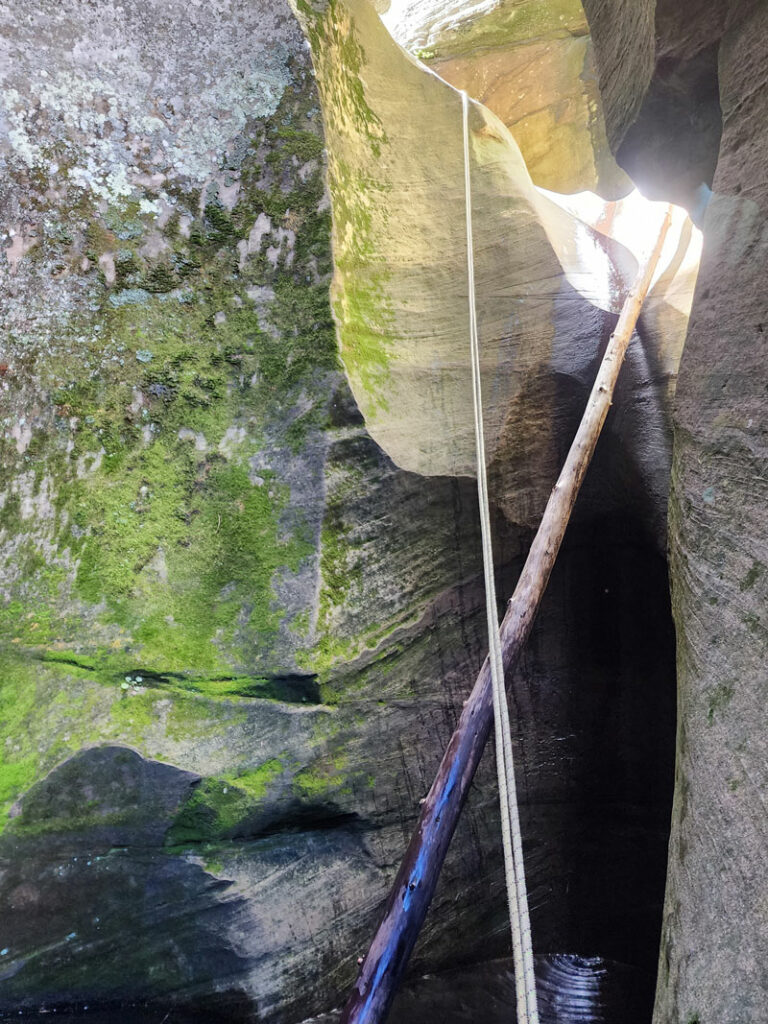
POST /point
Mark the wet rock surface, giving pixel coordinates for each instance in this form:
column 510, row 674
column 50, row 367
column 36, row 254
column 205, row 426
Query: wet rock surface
column 572, row 990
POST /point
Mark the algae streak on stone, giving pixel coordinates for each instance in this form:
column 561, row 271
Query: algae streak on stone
column 394, row 135
column 395, row 165
column 163, row 388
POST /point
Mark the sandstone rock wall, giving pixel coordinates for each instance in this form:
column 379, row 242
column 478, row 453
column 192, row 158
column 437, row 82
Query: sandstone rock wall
column 236, row 633
column 206, row 567
column 714, row 944
column 657, row 71
column 531, row 63
column 714, row 958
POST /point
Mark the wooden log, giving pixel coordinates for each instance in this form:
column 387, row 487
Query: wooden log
column 416, row 880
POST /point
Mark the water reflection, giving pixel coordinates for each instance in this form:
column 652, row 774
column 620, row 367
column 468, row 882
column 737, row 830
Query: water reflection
column 572, row 990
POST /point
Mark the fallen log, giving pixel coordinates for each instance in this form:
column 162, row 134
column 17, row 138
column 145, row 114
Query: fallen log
column 416, row 880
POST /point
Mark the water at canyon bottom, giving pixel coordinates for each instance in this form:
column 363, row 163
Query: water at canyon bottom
column 572, row 990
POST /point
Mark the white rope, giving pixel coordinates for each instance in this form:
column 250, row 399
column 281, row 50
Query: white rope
column 517, row 897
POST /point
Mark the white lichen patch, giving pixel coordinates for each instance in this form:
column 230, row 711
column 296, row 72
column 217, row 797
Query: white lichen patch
column 283, row 245
column 252, row 245
column 185, row 434
column 232, row 439
column 20, row 244
column 141, row 94
column 22, row 434
column 35, row 501
column 88, row 463
column 107, row 265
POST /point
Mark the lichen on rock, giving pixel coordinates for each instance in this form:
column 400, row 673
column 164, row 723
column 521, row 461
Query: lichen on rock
column 237, row 569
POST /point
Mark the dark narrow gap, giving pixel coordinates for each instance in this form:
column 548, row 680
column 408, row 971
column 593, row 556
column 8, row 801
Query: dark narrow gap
column 595, row 701
column 670, row 150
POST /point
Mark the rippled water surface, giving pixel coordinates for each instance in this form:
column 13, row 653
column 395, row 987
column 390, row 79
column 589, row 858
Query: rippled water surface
column 572, row 990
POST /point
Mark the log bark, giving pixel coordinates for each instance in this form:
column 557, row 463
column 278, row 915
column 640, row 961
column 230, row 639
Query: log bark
column 416, row 880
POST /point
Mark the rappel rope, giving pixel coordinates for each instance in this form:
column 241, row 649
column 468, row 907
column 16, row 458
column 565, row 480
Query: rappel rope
column 414, row 885
column 514, row 870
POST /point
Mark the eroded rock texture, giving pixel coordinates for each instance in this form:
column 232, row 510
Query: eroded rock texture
column 715, row 937
column 238, row 620
column 715, row 947
column 657, row 71
column 205, row 559
column 531, row 63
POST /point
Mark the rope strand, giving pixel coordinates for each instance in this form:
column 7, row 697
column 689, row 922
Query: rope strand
column 514, row 871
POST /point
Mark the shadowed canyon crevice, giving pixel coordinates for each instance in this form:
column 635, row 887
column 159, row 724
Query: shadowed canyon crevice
column 240, row 593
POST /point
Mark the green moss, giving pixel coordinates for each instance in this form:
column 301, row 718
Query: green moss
column 162, row 277
column 304, row 145
column 15, row 777
column 18, row 704
column 98, row 239
column 221, row 230
column 211, row 856
column 301, row 624
column 361, row 306
column 211, row 813
column 155, row 553
column 10, row 512
column 719, row 699
column 256, row 783
column 51, row 709
column 338, row 576
column 365, row 322
column 752, row 576
column 156, row 506
column 135, row 712
column 43, row 718
column 323, row 779
column 221, row 808
column 125, row 221
column 191, row 717
column 340, row 60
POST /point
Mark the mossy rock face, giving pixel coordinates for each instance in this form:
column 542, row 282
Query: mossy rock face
column 106, row 794
column 168, row 368
column 208, row 571
column 160, row 492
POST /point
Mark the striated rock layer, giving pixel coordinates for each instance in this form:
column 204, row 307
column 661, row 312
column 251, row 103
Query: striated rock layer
column 715, row 937
column 531, row 63
column 657, row 72
column 240, row 600
column 227, row 619
column 543, row 276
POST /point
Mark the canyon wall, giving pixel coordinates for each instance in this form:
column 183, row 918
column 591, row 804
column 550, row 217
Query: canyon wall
column 715, row 935
column 241, row 600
